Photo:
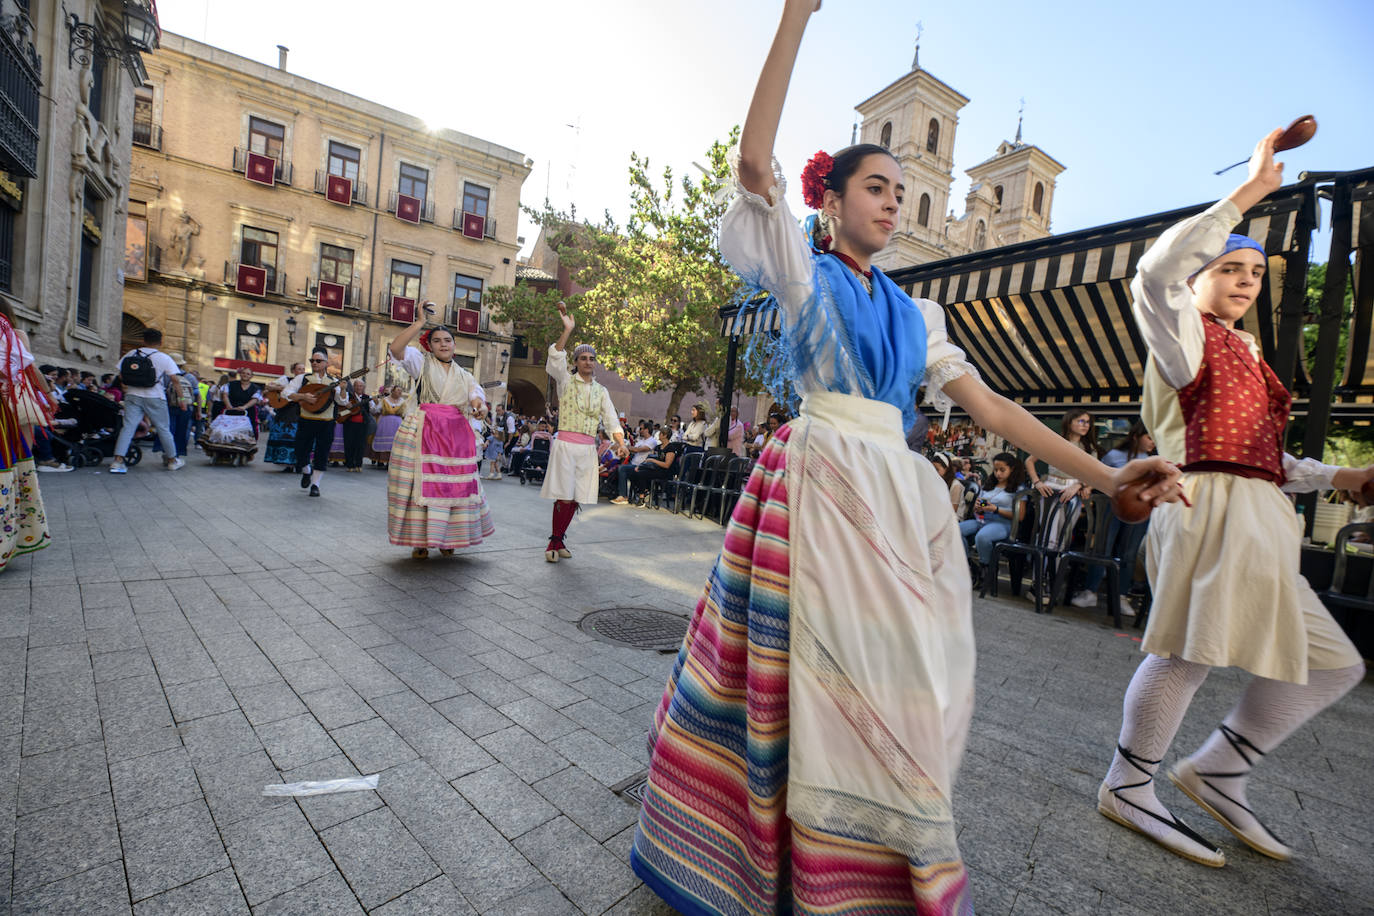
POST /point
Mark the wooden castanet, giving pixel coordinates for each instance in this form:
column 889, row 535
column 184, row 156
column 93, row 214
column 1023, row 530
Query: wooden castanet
column 1293, row 136
column 1296, row 134
column 1127, row 503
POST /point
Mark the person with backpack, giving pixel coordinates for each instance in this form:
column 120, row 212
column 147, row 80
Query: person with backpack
column 145, row 372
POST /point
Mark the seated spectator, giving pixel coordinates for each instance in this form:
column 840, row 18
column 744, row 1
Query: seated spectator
column 1123, row 538
column 639, row 452
column 945, row 466
column 992, row 519
column 774, row 421
column 660, row 465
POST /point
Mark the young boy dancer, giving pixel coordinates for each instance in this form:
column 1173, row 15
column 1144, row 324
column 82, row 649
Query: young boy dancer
column 1225, row 571
column 582, row 405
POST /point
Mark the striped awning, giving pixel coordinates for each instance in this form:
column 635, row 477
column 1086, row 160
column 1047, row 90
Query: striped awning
column 1048, row 323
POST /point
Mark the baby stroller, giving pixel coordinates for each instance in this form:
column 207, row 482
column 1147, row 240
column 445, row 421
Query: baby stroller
column 93, row 438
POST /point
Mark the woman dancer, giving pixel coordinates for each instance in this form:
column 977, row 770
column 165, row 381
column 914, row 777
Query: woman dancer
column 23, row 524
column 1225, row 572
column 433, row 498
column 786, row 690
column 389, row 411
column 281, row 433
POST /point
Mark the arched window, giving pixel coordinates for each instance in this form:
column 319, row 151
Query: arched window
column 933, row 136
column 980, row 236
column 997, row 192
column 1038, row 201
column 885, row 138
column 923, row 211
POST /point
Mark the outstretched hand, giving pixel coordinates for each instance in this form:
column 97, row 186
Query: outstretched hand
column 568, row 322
column 1165, row 489
column 1264, row 171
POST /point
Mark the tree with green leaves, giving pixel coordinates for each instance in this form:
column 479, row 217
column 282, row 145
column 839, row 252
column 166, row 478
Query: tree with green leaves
column 651, row 289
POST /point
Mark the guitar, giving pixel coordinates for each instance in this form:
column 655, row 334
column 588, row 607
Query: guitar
column 316, row 395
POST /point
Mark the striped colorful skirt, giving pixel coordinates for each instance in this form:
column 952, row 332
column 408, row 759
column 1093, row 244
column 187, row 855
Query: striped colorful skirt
column 433, row 496
column 23, row 524
column 804, row 752
column 385, row 436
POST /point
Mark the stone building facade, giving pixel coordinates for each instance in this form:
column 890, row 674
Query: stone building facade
column 67, row 73
column 1009, row 201
column 269, row 215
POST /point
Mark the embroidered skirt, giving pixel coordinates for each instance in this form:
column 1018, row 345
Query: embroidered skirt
column 281, row 440
column 803, row 755
column 23, row 524
column 433, row 497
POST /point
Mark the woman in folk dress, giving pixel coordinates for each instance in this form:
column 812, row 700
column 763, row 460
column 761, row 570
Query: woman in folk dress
column 389, row 410
column 805, row 750
column 433, row 497
column 23, row 524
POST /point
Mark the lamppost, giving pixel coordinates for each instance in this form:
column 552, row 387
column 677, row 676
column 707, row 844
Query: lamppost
column 141, row 34
column 291, row 330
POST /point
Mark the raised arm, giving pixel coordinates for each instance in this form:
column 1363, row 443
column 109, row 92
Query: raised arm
column 403, row 339
column 765, row 111
column 568, row 325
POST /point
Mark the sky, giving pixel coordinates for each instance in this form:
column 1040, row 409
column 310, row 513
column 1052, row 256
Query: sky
column 1141, row 102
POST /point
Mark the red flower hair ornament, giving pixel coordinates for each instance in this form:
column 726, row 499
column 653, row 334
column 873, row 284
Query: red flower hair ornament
column 816, row 178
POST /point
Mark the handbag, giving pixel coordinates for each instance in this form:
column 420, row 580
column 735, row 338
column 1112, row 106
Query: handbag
column 33, row 406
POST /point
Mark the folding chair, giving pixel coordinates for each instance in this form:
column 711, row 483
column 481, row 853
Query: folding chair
column 1097, row 552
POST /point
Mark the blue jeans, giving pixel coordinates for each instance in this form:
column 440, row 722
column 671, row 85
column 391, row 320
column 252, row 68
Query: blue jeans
column 985, row 535
column 136, row 407
column 181, row 427
column 1125, row 540
column 622, row 480
column 42, row 444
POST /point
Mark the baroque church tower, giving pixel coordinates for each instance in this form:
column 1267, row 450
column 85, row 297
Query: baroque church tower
column 1009, row 200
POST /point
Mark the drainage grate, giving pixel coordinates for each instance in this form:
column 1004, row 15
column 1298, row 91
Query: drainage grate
column 640, row 627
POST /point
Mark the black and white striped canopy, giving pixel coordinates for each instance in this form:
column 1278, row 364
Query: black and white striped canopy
column 1048, row 323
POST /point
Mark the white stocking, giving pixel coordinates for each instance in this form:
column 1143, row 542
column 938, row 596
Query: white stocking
column 1156, row 701
column 1268, row 712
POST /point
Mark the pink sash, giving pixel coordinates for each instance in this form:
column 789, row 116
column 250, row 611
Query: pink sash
column 448, row 457
column 575, row 438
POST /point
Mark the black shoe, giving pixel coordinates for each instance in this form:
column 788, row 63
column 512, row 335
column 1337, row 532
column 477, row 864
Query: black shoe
column 305, row 480
column 314, row 490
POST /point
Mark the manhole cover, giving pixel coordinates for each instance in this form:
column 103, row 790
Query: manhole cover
column 640, row 627
column 633, row 788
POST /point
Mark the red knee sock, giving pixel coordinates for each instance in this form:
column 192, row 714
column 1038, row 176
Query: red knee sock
column 563, row 511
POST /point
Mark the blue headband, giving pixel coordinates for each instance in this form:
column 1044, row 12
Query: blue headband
column 1234, row 242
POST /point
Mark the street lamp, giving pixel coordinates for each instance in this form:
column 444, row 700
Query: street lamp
column 140, row 27
column 291, row 329
column 505, row 358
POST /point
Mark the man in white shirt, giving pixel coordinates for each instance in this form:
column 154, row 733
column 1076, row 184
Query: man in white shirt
column 149, row 401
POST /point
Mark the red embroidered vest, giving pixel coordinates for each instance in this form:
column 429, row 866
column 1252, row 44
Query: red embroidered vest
column 1235, row 410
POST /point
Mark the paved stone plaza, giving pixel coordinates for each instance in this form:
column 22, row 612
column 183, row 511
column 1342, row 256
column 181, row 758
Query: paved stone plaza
column 191, row 637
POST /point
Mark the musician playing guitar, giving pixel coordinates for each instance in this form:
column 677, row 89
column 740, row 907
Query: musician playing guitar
column 355, row 419
column 315, row 430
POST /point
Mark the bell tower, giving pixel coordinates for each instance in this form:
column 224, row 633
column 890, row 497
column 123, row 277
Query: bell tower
column 1021, row 177
column 915, row 117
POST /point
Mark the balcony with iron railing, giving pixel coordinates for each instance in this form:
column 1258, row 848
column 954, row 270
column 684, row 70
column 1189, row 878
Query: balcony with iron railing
column 147, row 134
column 281, row 172
column 322, row 186
column 488, row 224
column 20, row 80
column 425, row 209
column 274, row 281
column 351, row 293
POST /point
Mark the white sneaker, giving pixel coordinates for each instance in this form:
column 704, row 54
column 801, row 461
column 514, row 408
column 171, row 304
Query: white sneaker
column 53, row 467
column 176, row 465
column 1084, row 598
column 1126, row 609
column 119, row 468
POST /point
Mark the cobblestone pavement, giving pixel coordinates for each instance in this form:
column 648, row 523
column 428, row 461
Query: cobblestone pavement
column 191, row 637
